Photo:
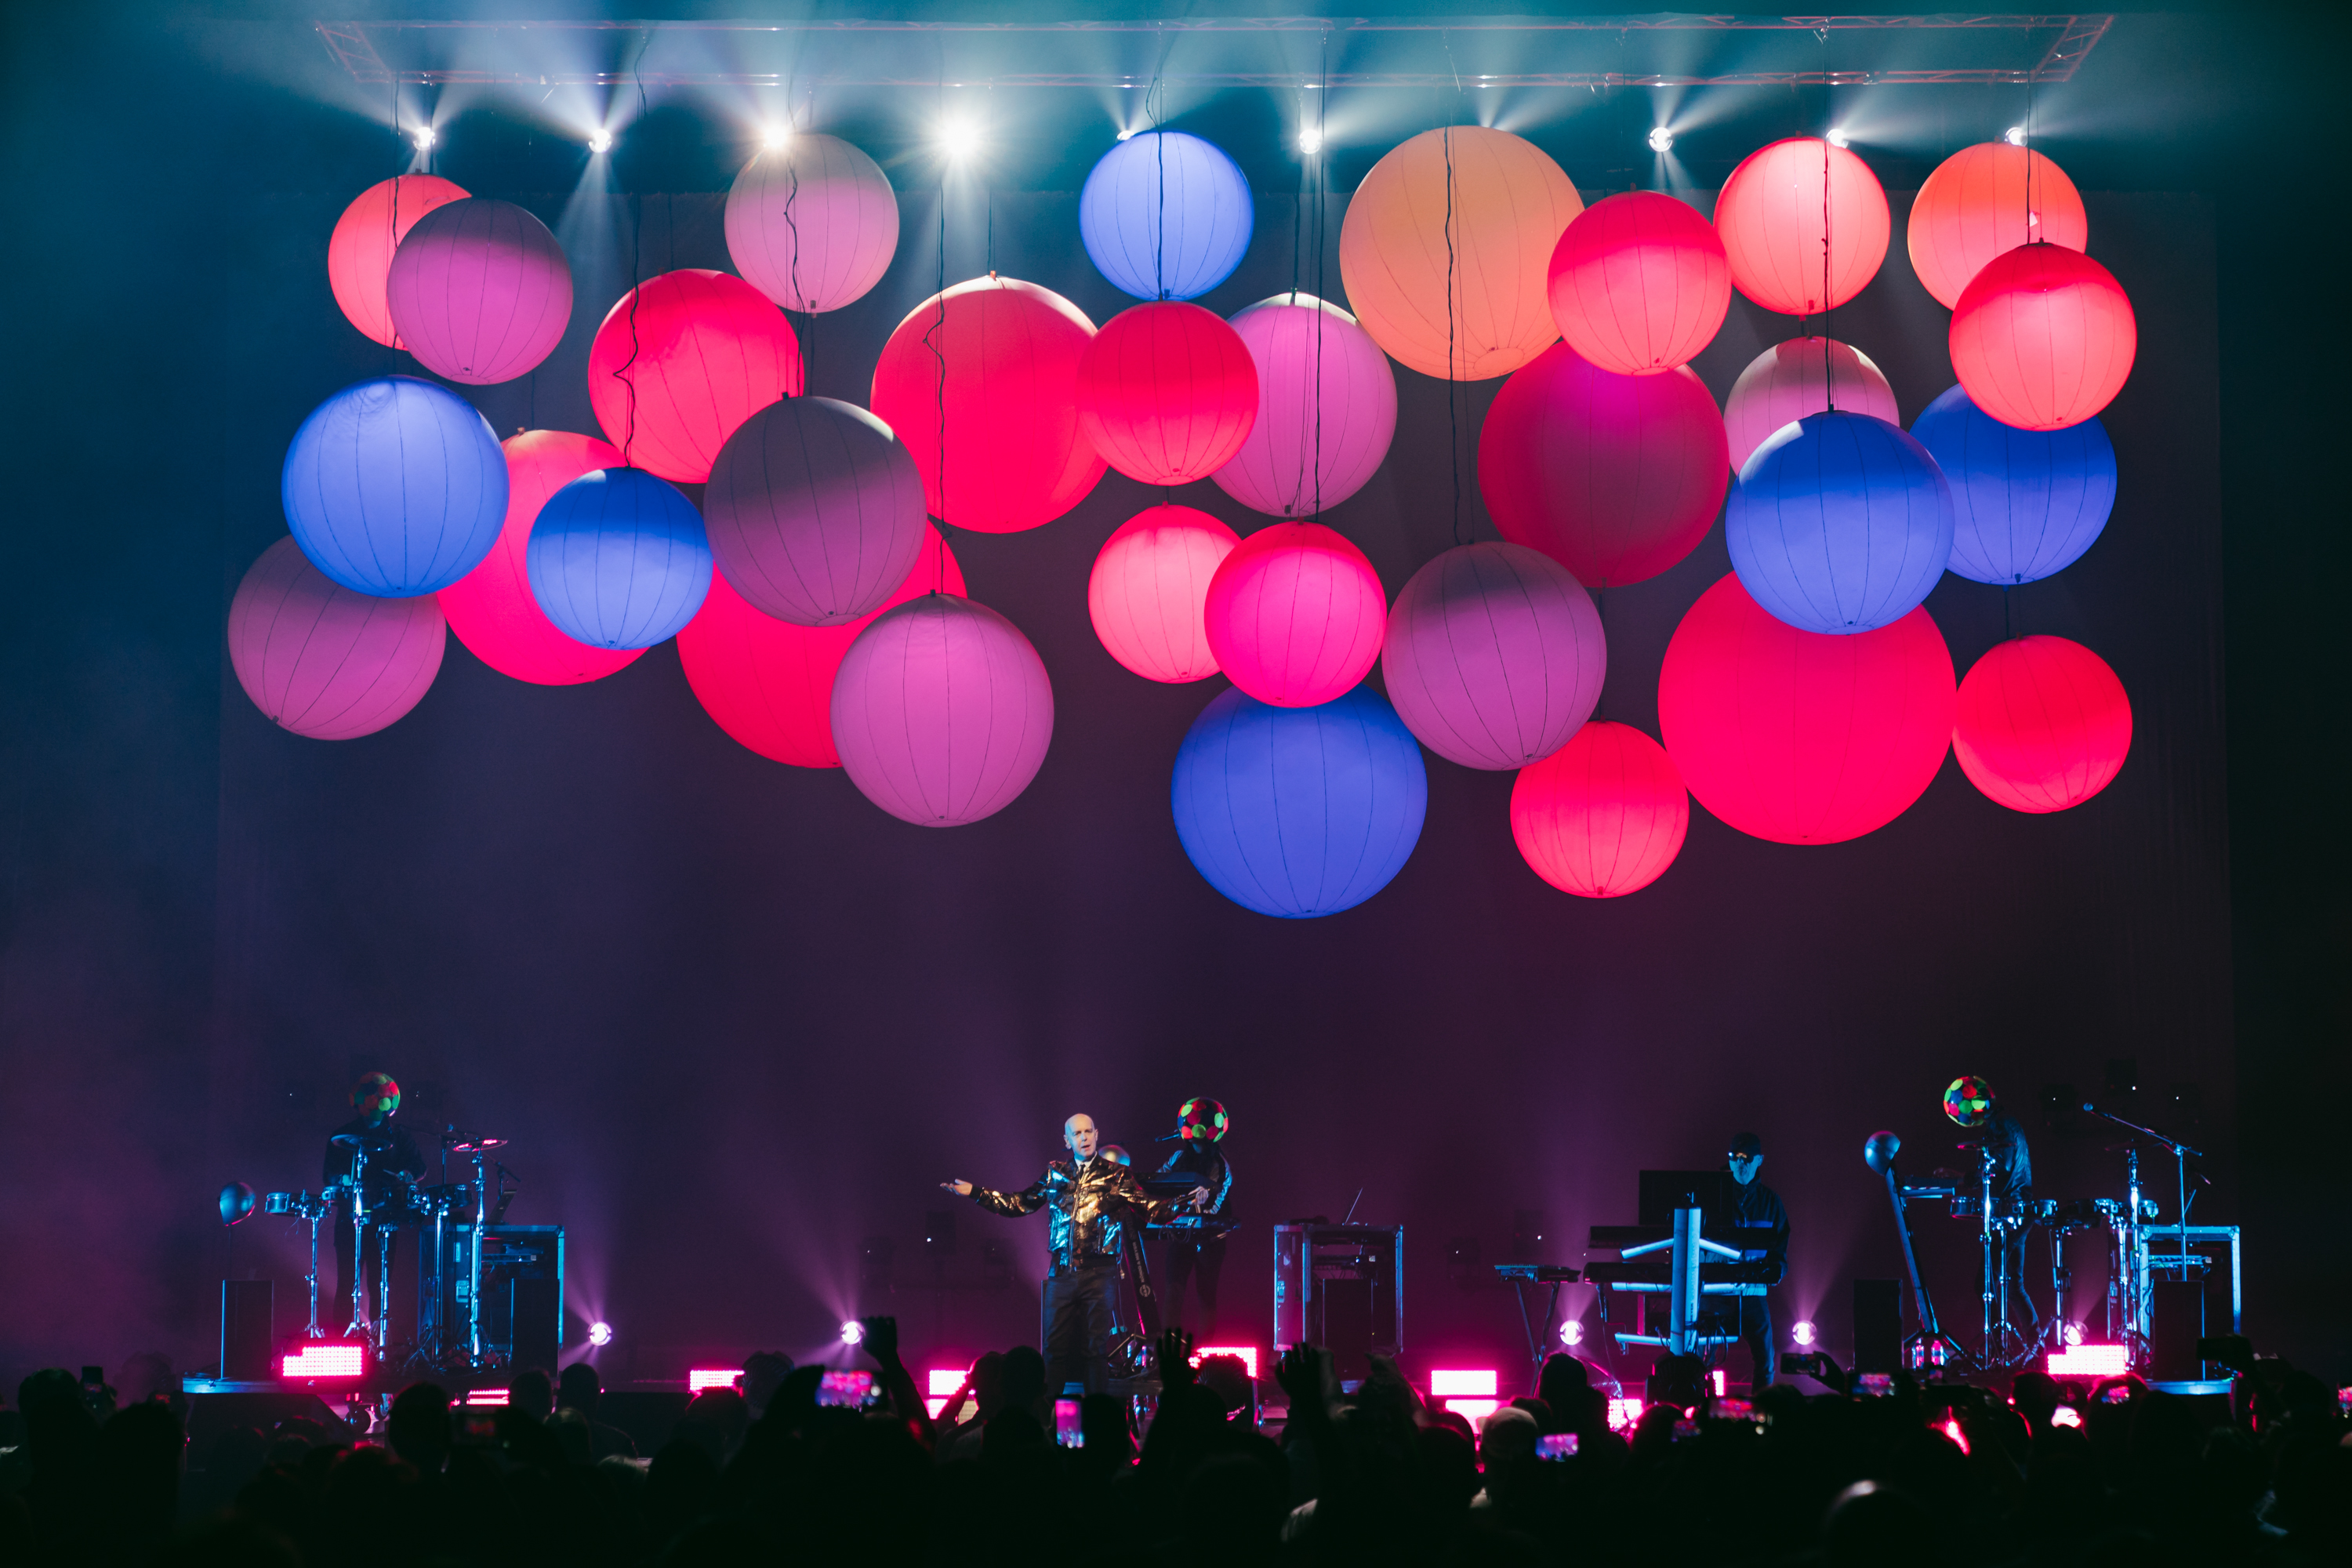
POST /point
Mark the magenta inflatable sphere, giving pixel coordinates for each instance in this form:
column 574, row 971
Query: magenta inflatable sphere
column 1602, row 817
column 941, row 711
column 1327, row 408
column 1294, row 615
column 2043, row 724
column 479, row 291
column 1493, row 656
column 325, row 662
column 1148, row 595
column 395, row 487
column 816, row 511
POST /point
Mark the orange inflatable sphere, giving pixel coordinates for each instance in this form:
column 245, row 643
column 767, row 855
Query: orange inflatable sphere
column 1984, row 200
column 2044, row 338
column 1770, row 214
column 998, row 359
column 1509, row 204
column 2043, row 724
column 671, row 379
column 1149, row 592
column 1602, row 817
column 1167, row 393
column 359, row 253
column 1639, row 283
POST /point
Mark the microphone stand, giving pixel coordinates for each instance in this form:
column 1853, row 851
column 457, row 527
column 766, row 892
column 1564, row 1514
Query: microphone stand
column 2181, row 1154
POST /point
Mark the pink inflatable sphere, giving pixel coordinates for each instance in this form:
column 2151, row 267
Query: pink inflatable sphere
column 1803, row 737
column 1294, row 615
column 491, row 607
column 997, row 361
column 2043, row 724
column 816, row 511
column 701, row 353
column 1639, row 283
column 1148, row 595
column 321, row 660
column 360, row 251
column 769, row 683
column 1602, row 817
column 941, row 711
column 1804, row 225
column 1614, row 477
column 1493, row 656
column 1167, row 393
column 812, row 224
column 1791, row 380
column 1327, row 408
column 479, row 291
column 2044, row 338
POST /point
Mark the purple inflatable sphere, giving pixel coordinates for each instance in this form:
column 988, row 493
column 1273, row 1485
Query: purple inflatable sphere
column 816, row 511
column 479, row 291
column 1494, row 656
column 323, row 661
column 941, row 711
column 1327, row 408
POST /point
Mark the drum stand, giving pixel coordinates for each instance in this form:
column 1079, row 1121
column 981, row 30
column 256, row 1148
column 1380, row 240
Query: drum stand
column 316, row 1213
column 2003, row 1346
column 360, row 1322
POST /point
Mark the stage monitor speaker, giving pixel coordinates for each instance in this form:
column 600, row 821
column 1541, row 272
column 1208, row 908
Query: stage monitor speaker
column 245, row 1337
column 2176, row 1321
column 537, row 1313
column 1877, row 1325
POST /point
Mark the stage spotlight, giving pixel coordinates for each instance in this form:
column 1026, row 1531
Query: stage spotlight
column 958, row 139
column 1572, row 1332
column 1802, row 1333
column 600, row 141
column 1310, row 141
column 424, row 138
column 2014, row 135
column 775, row 138
column 2072, row 1333
column 1662, row 139
column 1839, row 139
column 600, row 1333
column 852, row 1332
column 1127, row 135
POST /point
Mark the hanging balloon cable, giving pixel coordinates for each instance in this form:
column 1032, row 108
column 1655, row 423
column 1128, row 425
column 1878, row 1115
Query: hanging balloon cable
column 932, row 335
column 1453, row 416
column 622, row 372
column 1322, row 210
column 793, row 229
column 1829, row 304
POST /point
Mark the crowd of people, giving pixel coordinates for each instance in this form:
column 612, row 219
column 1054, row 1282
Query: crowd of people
column 1935, row 1474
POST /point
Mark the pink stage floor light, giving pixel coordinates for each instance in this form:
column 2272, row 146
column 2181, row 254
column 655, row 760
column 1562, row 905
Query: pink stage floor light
column 326, row 1360
column 2091, row 1361
column 704, row 1377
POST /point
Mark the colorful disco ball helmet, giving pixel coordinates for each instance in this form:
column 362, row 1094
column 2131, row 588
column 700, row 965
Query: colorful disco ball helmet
column 1969, row 1101
column 375, row 1096
column 1200, row 1120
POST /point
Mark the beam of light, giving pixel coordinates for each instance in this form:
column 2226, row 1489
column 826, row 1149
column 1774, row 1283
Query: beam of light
column 1572, row 1332
column 600, row 1333
column 2072, row 1332
column 775, row 138
column 960, row 139
column 1126, row 135
column 1662, row 139
column 1310, row 141
column 425, row 137
column 600, row 140
column 852, row 1331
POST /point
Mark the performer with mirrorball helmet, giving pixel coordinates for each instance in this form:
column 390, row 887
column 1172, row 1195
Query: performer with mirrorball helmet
column 1971, row 1104
column 1201, row 1126
column 392, row 1162
column 1090, row 1201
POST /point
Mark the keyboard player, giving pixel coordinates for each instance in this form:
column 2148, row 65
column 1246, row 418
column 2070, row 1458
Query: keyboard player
column 1759, row 1225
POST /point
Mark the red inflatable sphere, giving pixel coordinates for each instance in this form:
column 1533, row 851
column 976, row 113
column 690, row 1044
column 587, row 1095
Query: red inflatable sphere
column 1167, row 393
column 1294, row 615
column 1984, row 200
column 1614, row 477
column 1639, row 283
column 1012, row 456
column 701, row 353
column 323, row 661
column 1602, row 817
column 2043, row 724
column 2044, row 337
column 1770, row 214
column 1798, row 737
column 360, row 251
column 769, row 683
column 1149, row 592
column 492, row 609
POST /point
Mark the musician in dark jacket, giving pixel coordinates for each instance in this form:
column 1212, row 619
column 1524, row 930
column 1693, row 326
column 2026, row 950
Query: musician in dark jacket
column 1090, row 1201
column 1200, row 1127
column 394, row 1161
column 1760, row 1230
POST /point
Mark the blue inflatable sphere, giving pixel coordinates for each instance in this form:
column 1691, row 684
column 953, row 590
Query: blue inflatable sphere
column 2025, row 503
column 1839, row 523
column 1166, row 216
column 1299, row 812
column 619, row 559
column 395, row 487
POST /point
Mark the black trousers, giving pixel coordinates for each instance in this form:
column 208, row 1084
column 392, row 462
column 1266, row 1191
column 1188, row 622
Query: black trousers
column 1079, row 1328
column 1200, row 1262
column 335, row 1310
column 1756, row 1328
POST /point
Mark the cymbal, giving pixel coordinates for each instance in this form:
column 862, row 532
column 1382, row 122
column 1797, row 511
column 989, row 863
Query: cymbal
column 477, row 1145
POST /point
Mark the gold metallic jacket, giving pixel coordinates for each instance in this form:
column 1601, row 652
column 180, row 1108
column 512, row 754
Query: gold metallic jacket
column 1090, row 1206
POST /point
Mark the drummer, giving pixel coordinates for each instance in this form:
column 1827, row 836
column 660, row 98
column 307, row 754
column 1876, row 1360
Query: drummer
column 393, row 1162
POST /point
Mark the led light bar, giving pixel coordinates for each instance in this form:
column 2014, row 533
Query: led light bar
column 2091, row 1361
column 945, row 1380
column 1248, row 1354
column 1475, row 1409
column 486, row 1397
column 326, row 1360
column 1473, row 1384
column 704, row 1377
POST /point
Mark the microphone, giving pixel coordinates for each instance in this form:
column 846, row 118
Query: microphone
column 2089, row 1107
